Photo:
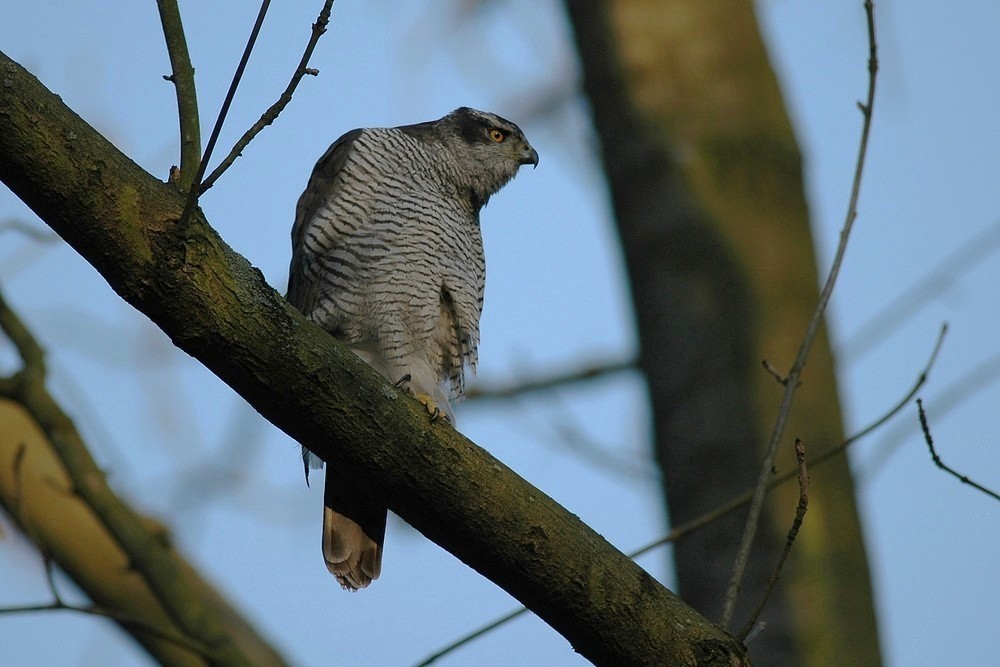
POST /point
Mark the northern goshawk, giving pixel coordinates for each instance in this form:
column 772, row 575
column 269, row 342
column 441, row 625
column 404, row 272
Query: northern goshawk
column 387, row 256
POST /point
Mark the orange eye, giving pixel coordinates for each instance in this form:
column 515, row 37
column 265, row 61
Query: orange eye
column 497, row 135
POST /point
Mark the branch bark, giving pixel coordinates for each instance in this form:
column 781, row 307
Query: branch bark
column 217, row 307
column 53, row 489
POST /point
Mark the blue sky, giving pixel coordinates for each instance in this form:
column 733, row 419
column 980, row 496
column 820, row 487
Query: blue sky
column 556, row 297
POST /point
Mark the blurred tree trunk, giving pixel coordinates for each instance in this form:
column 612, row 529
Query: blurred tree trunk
column 706, row 182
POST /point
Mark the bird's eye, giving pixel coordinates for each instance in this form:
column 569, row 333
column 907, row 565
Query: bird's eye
column 497, row 135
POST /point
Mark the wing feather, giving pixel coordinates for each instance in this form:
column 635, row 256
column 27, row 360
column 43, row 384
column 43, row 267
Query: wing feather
column 303, row 286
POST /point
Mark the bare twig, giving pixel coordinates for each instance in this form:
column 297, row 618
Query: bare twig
column 58, row 604
column 932, row 285
column 50, row 577
column 485, row 391
column 195, row 190
column 795, row 373
column 800, row 513
column 947, row 399
column 941, row 464
column 123, row 619
column 182, row 76
column 269, row 116
column 573, row 438
column 472, row 636
column 774, row 372
column 711, row 517
column 39, row 234
column 146, row 552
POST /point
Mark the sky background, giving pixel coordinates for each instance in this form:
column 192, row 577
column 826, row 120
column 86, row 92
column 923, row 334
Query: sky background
column 182, row 446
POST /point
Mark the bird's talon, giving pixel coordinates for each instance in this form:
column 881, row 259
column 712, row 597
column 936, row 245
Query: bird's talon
column 403, row 380
column 435, row 412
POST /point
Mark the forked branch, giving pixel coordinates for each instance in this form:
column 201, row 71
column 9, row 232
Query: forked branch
column 795, row 373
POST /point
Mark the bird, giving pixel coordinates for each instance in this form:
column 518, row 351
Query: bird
column 387, row 256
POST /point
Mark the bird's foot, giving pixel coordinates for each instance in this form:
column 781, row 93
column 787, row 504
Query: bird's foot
column 432, row 408
column 435, row 412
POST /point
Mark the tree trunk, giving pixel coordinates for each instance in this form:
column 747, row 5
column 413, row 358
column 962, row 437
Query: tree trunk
column 706, row 182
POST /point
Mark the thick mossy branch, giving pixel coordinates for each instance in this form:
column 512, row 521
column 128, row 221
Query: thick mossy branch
column 218, row 308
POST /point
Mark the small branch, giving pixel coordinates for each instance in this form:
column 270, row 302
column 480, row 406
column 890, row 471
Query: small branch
column 947, row 399
column 941, row 464
column 269, row 116
column 932, row 285
column 800, row 513
column 182, row 76
column 795, row 373
column 146, row 553
column 195, row 190
column 774, row 372
column 712, row 516
column 573, row 438
column 485, row 391
column 472, row 636
column 50, row 578
column 136, row 624
column 58, row 604
column 34, row 233
column 31, row 353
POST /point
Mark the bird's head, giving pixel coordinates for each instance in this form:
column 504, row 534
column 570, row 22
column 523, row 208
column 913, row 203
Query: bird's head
column 490, row 149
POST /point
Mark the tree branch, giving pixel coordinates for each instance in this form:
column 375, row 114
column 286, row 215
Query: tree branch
column 182, row 76
column 707, row 519
column 191, row 199
column 218, row 308
column 793, row 532
column 269, row 116
column 964, row 479
column 932, row 285
column 792, row 381
column 167, row 593
column 482, row 391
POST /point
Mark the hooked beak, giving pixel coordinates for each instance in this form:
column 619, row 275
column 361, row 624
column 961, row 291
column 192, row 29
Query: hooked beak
column 529, row 156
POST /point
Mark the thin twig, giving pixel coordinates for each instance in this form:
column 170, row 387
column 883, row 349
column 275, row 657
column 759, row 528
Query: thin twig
column 472, row 636
column 58, row 604
column 795, row 373
column 182, row 76
column 195, row 190
column 123, row 619
column 39, row 234
column 485, row 391
column 947, row 399
column 50, row 577
column 800, row 513
column 146, row 553
column 269, row 116
column 712, row 516
column 569, row 435
column 916, row 297
column 941, row 464
column 774, row 372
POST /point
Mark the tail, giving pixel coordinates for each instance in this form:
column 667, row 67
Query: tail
column 353, row 532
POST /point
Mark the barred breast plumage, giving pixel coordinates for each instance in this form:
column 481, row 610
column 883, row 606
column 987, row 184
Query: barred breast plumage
column 388, row 257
